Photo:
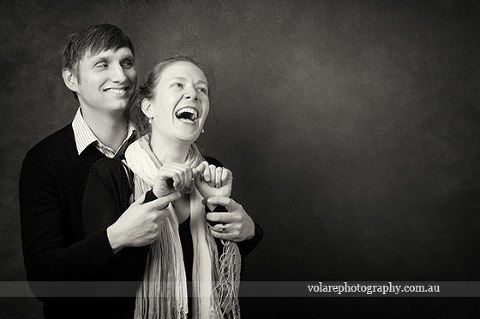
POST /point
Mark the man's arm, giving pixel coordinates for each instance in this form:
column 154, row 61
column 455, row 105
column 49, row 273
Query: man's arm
column 48, row 251
column 106, row 206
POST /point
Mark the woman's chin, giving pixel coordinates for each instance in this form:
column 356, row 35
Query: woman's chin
column 186, row 137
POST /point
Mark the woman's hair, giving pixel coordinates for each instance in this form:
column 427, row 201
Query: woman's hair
column 147, row 91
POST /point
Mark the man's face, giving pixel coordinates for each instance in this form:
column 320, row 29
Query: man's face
column 106, row 81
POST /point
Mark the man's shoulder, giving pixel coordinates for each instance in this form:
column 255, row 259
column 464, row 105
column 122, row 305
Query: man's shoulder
column 61, row 139
column 57, row 145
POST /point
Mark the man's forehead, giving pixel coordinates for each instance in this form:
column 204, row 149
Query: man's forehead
column 104, row 53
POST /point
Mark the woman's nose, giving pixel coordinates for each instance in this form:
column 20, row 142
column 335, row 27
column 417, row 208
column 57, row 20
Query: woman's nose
column 191, row 95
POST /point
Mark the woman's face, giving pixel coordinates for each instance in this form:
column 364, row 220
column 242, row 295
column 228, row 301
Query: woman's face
column 180, row 105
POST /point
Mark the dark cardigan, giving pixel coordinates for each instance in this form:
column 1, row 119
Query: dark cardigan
column 51, row 188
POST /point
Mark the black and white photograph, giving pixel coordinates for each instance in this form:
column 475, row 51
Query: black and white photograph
column 239, row 159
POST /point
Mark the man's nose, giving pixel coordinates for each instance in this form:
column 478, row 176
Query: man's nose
column 118, row 73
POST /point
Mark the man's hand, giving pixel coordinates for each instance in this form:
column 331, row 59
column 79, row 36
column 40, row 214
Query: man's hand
column 234, row 225
column 139, row 225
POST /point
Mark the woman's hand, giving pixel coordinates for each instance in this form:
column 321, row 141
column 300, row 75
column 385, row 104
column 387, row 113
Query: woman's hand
column 212, row 181
column 172, row 177
column 234, row 225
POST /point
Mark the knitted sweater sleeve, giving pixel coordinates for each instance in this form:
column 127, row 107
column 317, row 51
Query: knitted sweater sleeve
column 107, row 196
column 48, row 228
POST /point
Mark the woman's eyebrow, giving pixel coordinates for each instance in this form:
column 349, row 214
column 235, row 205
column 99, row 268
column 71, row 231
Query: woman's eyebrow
column 181, row 78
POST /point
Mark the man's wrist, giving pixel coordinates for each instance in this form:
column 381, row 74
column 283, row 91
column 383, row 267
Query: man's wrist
column 113, row 239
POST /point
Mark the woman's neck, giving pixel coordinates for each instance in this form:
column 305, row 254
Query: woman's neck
column 167, row 150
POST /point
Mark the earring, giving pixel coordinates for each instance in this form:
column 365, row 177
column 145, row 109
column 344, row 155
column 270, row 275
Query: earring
column 150, row 120
column 203, row 130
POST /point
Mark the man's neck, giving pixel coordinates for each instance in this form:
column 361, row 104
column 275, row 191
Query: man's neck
column 109, row 127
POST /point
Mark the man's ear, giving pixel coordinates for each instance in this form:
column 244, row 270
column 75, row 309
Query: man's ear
column 147, row 108
column 70, row 79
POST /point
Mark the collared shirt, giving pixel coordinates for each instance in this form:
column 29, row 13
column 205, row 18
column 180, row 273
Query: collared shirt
column 85, row 137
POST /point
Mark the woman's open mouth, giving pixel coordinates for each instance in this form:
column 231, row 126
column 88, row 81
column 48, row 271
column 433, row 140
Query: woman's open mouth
column 187, row 115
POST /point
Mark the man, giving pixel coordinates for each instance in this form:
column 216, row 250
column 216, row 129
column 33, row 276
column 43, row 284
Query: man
column 99, row 68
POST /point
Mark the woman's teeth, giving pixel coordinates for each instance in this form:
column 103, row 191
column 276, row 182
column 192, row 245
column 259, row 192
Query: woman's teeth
column 187, row 114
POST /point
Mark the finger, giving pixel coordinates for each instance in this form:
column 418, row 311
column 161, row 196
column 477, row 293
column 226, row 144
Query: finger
column 207, row 174
column 226, row 176
column 224, row 218
column 139, row 200
column 180, row 174
column 177, row 182
column 188, row 175
column 161, row 202
column 218, row 177
column 229, row 203
column 199, row 169
column 213, row 170
column 219, row 227
column 221, row 235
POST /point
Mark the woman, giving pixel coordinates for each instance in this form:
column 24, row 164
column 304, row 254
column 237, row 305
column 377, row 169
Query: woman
column 172, row 108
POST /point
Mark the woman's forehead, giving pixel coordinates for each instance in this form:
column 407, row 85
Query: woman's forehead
column 183, row 70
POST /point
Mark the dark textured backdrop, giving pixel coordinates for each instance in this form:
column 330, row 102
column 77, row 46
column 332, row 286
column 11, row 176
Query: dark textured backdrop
column 352, row 129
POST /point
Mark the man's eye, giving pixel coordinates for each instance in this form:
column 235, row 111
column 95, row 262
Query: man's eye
column 101, row 65
column 127, row 64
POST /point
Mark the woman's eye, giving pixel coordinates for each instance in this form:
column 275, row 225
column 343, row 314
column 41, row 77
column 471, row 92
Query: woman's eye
column 202, row 90
column 177, row 84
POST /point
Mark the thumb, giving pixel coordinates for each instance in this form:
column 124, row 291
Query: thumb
column 139, row 200
column 199, row 169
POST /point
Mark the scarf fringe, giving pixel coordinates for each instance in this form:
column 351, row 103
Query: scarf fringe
column 225, row 292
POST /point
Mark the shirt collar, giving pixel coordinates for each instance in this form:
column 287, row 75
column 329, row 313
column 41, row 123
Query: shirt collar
column 85, row 137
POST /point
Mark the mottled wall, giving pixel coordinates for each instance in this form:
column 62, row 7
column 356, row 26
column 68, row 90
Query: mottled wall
column 352, row 129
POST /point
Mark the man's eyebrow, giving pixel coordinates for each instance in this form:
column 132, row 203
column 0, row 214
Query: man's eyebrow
column 107, row 56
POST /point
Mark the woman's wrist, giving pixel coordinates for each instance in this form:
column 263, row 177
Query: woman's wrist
column 150, row 196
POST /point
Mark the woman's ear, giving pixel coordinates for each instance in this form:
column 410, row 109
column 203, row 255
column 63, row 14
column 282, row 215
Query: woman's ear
column 70, row 79
column 147, row 108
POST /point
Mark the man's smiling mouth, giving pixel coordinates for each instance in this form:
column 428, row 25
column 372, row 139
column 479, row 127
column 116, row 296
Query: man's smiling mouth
column 116, row 91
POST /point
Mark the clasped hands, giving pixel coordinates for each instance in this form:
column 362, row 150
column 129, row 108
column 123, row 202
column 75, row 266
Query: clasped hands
column 215, row 186
column 139, row 225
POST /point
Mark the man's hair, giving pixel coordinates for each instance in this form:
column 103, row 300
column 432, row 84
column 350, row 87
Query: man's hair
column 93, row 39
